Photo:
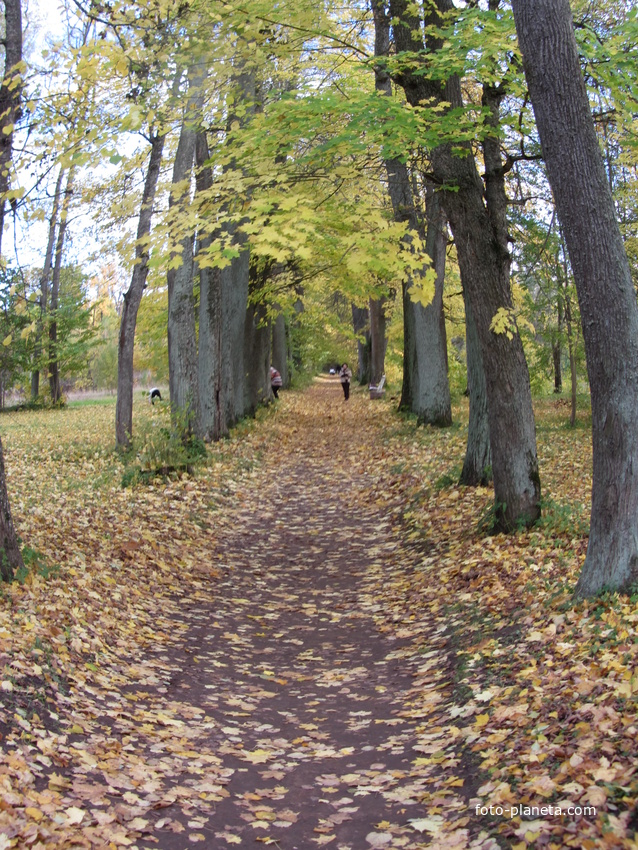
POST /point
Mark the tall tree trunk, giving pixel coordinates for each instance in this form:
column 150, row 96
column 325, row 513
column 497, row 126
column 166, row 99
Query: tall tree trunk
column 257, row 333
column 557, row 347
column 54, row 366
column 556, row 363
column 606, row 295
column 10, row 555
column 573, row 378
column 209, row 350
column 44, row 285
column 569, row 325
column 133, row 297
column 378, row 339
column 280, row 348
column 484, row 264
column 222, row 319
column 425, row 389
column 477, row 466
column 431, row 388
column 223, row 305
column 10, row 97
column 182, row 341
column 361, row 327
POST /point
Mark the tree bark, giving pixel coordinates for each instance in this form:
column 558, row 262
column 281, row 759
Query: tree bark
column 477, row 466
column 361, row 327
column 54, row 367
column 556, row 362
column 557, row 347
column 223, row 308
column 606, row 295
column 209, row 308
column 571, row 343
column 44, row 285
column 484, row 263
column 378, row 339
column 10, row 96
column 10, row 555
column 182, row 340
column 573, row 378
column 257, row 333
column 280, row 348
column 133, row 297
column 430, row 386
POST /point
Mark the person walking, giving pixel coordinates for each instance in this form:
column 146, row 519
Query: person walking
column 344, row 376
column 275, row 381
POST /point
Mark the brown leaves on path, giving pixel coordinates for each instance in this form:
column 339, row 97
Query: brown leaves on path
column 308, row 643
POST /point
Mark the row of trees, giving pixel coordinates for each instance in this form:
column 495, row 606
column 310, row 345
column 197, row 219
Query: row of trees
column 55, row 342
column 365, row 150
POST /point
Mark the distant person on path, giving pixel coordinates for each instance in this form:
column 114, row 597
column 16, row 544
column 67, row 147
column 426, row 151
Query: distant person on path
column 344, row 375
column 275, row 381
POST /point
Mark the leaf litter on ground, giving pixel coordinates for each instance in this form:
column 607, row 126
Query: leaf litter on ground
column 308, row 641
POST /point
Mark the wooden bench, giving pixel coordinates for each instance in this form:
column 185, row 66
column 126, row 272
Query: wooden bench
column 377, row 392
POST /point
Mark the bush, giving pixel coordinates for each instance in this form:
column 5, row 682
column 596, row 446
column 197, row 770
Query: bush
column 162, row 449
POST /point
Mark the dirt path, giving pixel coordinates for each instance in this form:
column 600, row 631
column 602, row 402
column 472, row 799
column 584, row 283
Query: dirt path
column 305, row 700
column 279, row 713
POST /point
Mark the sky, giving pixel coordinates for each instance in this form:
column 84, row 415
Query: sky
column 43, row 22
column 47, row 15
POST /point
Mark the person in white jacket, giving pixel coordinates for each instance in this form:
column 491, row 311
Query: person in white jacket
column 276, row 381
column 344, row 376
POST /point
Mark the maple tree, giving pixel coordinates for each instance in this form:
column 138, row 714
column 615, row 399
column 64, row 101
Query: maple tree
column 476, row 216
column 10, row 98
column 603, row 281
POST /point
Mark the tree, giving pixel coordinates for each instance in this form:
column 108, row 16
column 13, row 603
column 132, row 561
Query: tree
column 223, row 345
column 133, row 297
column 484, row 262
column 425, row 390
column 10, row 95
column 53, row 364
column 361, row 325
column 477, row 464
column 182, row 343
column 603, row 281
column 378, row 338
column 44, row 284
column 279, row 346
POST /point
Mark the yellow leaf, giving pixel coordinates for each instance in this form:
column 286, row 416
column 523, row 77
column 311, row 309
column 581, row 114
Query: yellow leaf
column 504, row 322
column 256, row 756
column 36, row 814
column 482, row 720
